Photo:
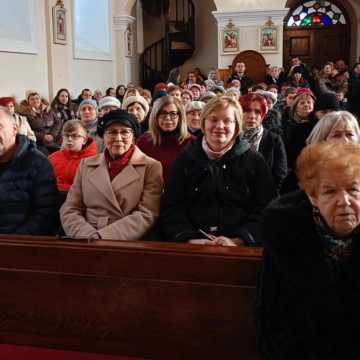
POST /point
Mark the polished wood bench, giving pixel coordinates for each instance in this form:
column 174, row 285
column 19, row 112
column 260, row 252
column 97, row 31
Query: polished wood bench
column 143, row 299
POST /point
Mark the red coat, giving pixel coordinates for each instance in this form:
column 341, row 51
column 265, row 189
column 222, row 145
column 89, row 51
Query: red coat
column 65, row 163
column 166, row 152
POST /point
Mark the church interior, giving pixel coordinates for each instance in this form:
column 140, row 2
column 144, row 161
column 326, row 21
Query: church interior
column 98, row 298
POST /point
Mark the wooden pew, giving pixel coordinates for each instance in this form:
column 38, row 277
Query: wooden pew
column 144, row 299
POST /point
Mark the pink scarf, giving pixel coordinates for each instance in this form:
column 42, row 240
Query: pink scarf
column 213, row 155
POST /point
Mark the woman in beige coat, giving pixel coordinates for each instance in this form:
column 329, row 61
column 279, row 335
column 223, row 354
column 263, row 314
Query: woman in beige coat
column 116, row 194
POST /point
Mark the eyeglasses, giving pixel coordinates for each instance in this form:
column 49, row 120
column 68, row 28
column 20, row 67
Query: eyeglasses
column 125, row 134
column 72, row 136
column 172, row 114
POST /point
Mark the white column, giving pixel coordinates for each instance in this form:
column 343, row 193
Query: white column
column 249, row 23
column 122, row 63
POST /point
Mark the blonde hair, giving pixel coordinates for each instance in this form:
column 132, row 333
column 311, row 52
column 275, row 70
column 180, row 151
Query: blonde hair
column 327, row 123
column 222, row 102
column 333, row 156
column 154, row 127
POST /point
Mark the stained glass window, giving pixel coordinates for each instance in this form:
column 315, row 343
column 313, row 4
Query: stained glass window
column 316, row 13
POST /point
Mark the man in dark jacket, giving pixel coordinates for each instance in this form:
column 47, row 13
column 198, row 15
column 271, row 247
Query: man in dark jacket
column 239, row 74
column 28, row 193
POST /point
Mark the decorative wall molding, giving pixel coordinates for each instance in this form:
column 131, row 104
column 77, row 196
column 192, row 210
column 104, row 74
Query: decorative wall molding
column 122, row 22
column 251, row 17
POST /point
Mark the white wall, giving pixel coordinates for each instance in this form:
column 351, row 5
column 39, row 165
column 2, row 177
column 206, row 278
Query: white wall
column 54, row 66
column 21, row 72
column 249, row 23
column 90, row 73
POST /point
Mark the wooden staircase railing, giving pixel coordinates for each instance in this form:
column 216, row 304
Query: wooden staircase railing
column 174, row 48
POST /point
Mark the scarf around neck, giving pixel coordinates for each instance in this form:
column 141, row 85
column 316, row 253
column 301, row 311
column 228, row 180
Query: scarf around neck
column 115, row 166
column 253, row 136
column 337, row 249
column 213, row 155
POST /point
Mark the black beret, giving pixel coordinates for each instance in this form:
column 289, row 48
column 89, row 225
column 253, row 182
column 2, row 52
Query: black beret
column 120, row 117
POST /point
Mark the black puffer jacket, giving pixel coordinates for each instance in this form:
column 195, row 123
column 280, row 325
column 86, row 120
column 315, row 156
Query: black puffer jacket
column 223, row 197
column 28, row 194
column 307, row 309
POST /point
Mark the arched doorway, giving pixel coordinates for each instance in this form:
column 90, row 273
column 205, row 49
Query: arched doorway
column 316, row 31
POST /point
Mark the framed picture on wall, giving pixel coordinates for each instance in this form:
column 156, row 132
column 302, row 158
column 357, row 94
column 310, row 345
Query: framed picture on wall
column 230, row 39
column 59, row 23
column 269, row 39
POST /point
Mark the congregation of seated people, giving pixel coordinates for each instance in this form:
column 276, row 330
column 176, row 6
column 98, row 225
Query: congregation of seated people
column 208, row 161
column 197, row 159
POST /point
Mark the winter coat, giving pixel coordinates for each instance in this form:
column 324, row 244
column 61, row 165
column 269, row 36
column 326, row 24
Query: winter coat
column 65, row 163
column 223, row 197
column 124, row 209
column 294, row 136
column 45, row 123
column 28, row 196
column 63, row 113
column 354, row 96
column 272, row 121
column 273, row 149
column 245, row 81
column 166, row 152
column 306, row 308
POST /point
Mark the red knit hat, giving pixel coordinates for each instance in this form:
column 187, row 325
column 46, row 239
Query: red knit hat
column 306, row 91
column 5, row 101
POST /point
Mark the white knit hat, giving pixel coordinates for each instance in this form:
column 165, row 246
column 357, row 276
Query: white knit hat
column 135, row 99
column 109, row 101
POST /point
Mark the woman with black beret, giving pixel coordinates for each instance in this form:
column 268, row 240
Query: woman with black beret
column 116, row 194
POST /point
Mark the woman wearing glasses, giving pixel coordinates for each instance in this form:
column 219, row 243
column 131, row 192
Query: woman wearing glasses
column 218, row 186
column 168, row 133
column 116, row 194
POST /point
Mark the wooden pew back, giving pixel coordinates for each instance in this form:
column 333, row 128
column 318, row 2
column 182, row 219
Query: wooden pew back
column 144, row 299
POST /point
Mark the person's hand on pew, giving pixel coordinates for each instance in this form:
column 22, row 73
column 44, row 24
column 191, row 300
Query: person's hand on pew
column 224, row 241
column 201, row 242
column 218, row 240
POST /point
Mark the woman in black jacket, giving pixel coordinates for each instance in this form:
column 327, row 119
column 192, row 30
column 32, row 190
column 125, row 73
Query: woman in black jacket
column 296, row 130
column 309, row 288
column 218, row 186
column 268, row 143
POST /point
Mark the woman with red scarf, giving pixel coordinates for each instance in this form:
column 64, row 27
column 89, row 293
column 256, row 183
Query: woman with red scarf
column 115, row 195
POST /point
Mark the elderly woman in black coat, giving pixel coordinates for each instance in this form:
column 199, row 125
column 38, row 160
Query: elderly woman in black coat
column 309, row 289
column 218, row 186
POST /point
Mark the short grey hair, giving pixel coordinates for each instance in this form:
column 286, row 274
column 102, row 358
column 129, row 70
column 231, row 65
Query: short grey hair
column 324, row 126
column 194, row 105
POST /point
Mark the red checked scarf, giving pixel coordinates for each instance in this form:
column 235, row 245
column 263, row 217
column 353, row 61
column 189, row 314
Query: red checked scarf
column 116, row 165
